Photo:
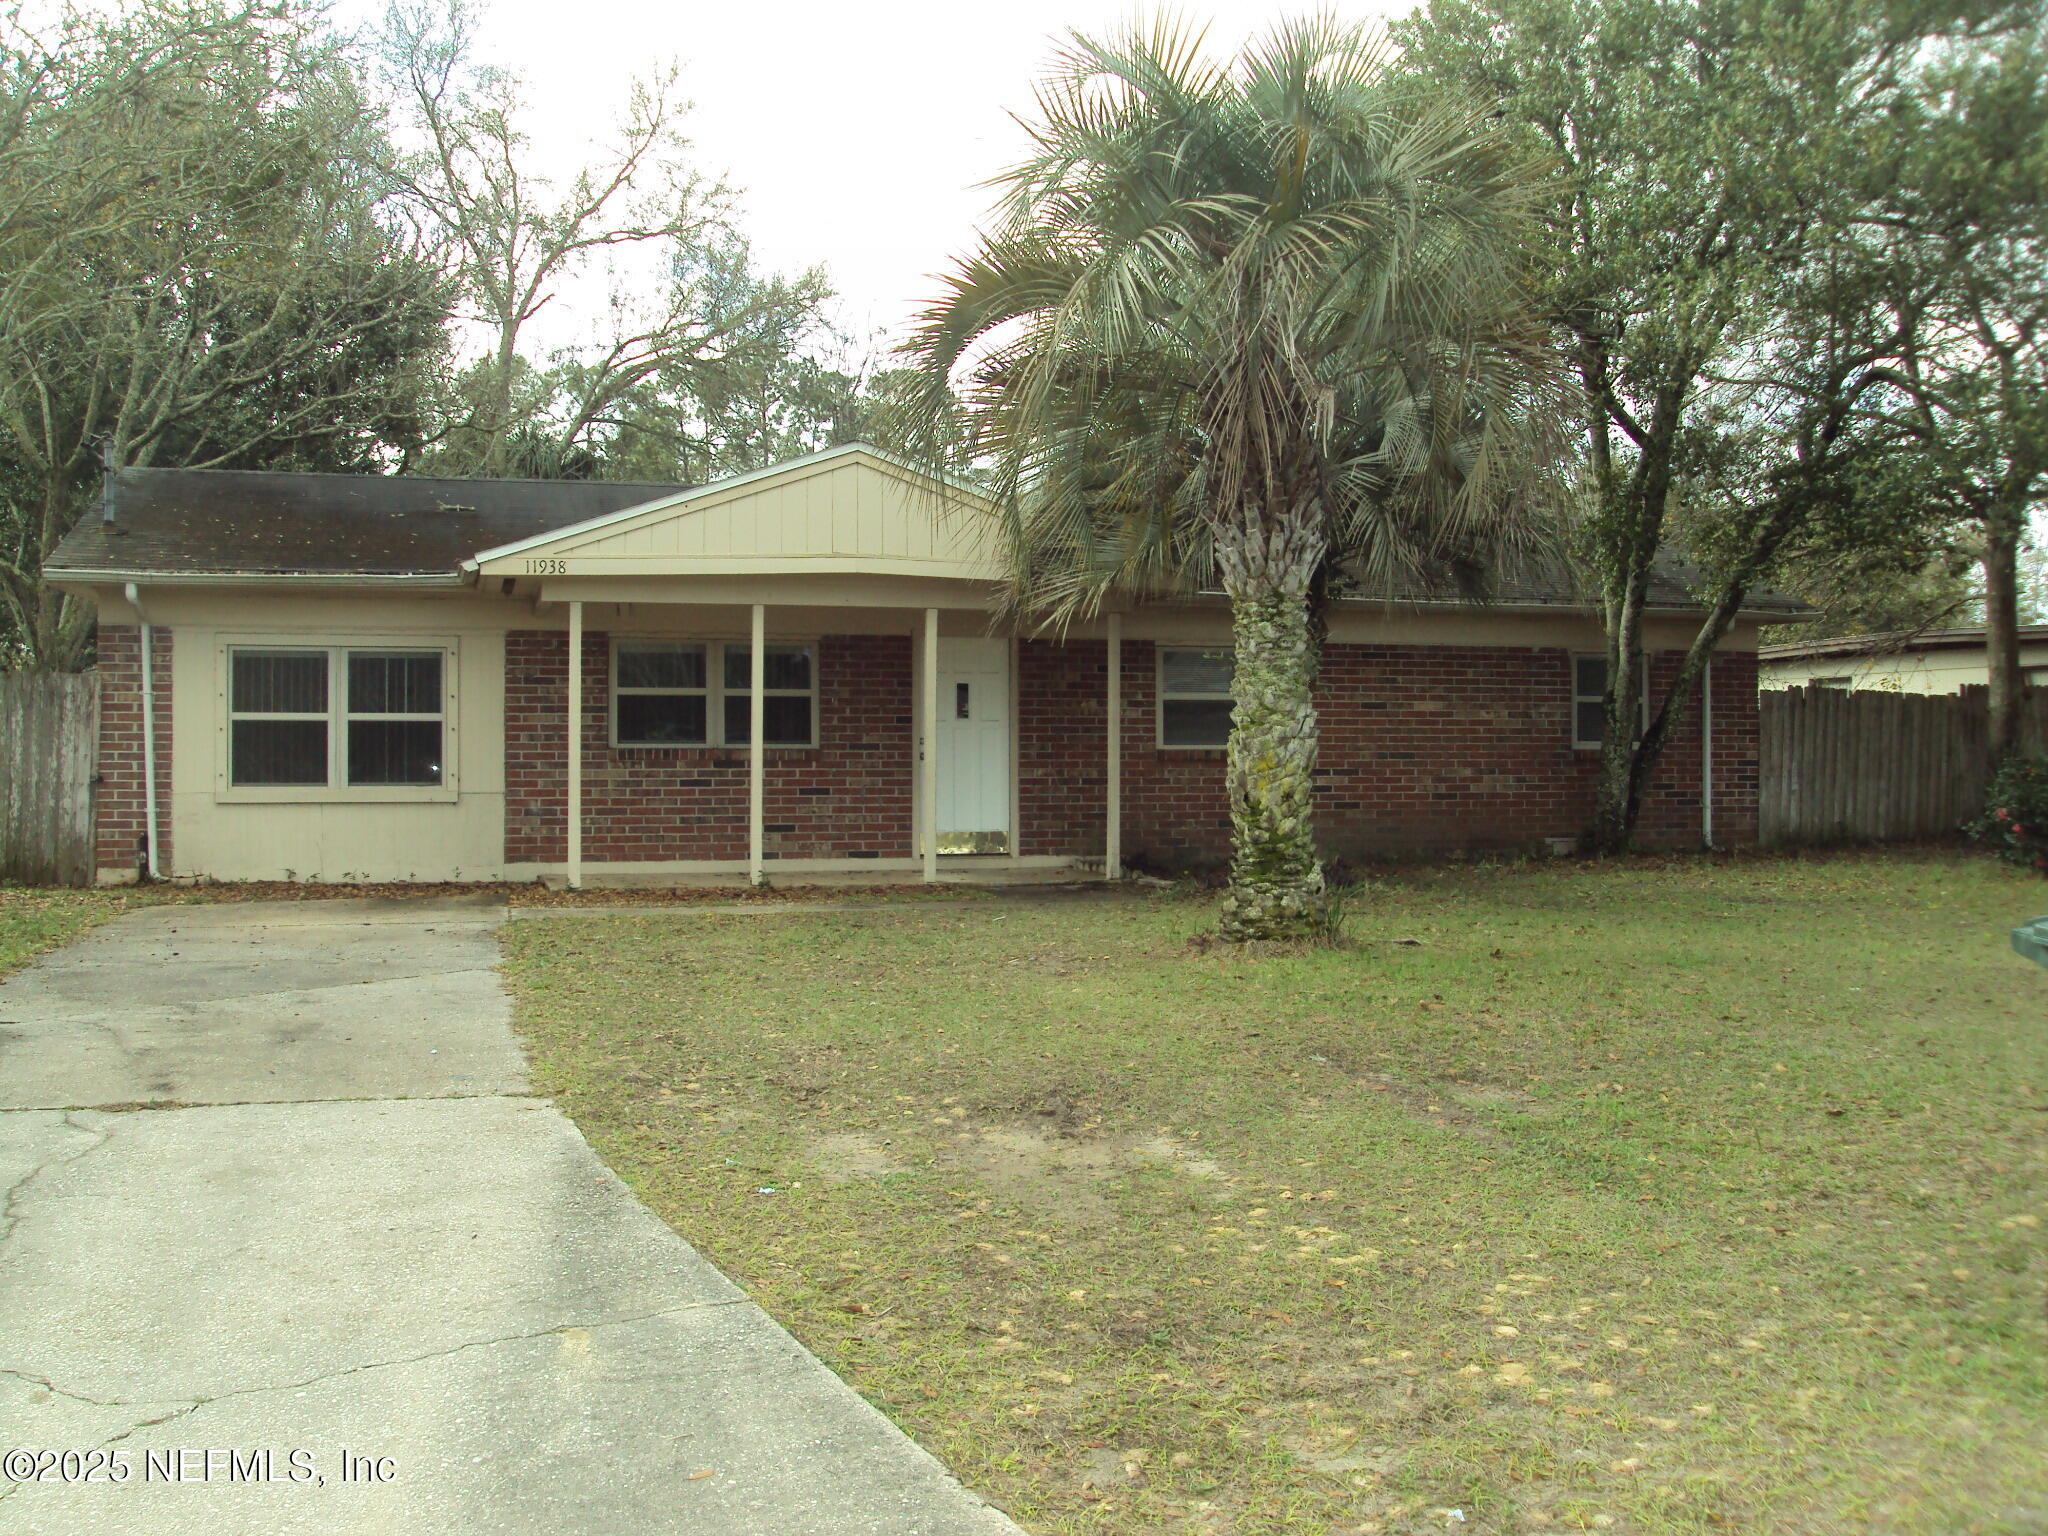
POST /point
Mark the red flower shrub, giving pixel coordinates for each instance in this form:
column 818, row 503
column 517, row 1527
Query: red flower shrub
column 2016, row 813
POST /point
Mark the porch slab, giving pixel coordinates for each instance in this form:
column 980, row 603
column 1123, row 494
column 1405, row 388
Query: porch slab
column 966, row 869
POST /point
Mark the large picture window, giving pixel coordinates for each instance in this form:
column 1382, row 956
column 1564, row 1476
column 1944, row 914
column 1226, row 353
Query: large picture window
column 694, row 693
column 333, row 717
column 1194, row 697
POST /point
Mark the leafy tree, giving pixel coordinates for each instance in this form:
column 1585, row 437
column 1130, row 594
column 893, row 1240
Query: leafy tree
column 1238, row 324
column 1739, row 324
column 745, row 388
column 701, row 363
column 2033, row 583
column 1881, row 592
column 194, row 269
column 1970, row 212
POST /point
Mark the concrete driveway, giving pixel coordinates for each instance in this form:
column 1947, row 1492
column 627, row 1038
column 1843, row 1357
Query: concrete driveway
column 286, row 1242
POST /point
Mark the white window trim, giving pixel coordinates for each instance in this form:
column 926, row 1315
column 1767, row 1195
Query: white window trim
column 714, row 691
column 1578, row 698
column 712, row 659
column 1159, row 697
column 337, row 789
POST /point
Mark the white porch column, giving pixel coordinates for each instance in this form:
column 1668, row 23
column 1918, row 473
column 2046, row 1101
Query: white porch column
column 930, row 765
column 575, row 744
column 756, row 729
column 1113, row 831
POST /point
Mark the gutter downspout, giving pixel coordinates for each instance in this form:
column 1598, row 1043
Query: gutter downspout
column 1707, row 754
column 134, row 597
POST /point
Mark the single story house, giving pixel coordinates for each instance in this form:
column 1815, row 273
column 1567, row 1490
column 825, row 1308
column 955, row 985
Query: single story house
column 1930, row 661
column 353, row 678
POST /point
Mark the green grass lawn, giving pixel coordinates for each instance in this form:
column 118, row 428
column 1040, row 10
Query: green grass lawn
column 36, row 918
column 1671, row 1197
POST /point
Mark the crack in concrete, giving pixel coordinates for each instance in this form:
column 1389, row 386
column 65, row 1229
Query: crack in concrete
column 56, row 1391
column 10, row 1213
column 56, row 1011
column 188, row 1405
column 158, row 1106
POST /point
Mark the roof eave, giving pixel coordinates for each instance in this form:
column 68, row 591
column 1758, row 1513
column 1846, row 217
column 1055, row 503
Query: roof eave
column 84, row 577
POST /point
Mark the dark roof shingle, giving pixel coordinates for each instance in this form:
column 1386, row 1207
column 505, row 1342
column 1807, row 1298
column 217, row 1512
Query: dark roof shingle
column 199, row 521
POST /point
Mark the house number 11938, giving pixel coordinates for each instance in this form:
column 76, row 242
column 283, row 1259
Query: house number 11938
column 547, row 567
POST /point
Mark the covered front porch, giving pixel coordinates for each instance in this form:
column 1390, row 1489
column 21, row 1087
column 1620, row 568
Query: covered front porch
column 792, row 672
column 717, row 741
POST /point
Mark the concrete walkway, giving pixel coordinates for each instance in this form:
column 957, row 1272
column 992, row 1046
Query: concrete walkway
column 273, row 1183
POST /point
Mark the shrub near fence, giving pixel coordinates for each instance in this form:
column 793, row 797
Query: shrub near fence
column 1841, row 766
column 49, row 730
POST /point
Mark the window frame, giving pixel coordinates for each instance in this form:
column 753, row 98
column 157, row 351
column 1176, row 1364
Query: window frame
column 713, row 657
column 715, row 693
column 337, row 789
column 1578, row 698
column 1160, row 696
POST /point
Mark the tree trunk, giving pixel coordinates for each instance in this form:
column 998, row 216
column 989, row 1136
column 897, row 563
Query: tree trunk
column 1276, row 882
column 2003, row 530
column 1618, row 798
column 46, row 627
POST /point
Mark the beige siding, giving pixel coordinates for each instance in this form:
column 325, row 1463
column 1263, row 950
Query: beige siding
column 339, row 839
column 1945, row 669
column 852, row 513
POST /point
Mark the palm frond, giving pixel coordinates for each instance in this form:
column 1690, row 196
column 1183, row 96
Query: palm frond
column 1282, row 296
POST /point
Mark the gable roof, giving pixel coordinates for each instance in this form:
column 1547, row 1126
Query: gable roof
column 844, row 510
column 206, row 522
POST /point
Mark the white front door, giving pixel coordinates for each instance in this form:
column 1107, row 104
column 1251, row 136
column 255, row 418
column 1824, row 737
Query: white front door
column 973, row 736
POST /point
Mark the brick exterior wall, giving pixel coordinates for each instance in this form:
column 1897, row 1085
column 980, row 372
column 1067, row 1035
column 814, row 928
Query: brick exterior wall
column 849, row 797
column 1736, row 786
column 1425, row 750
column 120, row 809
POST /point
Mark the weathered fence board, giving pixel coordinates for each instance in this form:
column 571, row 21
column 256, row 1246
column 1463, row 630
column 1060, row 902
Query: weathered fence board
column 1841, row 766
column 49, row 734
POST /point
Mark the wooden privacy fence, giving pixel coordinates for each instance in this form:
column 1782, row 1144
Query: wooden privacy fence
column 49, row 732
column 1841, row 766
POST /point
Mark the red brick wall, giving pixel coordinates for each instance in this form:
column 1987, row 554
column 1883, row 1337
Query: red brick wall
column 1735, row 749
column 120, row 808
column 1425, row 750
column 850, row 797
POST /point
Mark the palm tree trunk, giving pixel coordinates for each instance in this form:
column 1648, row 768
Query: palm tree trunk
column 1276, row 882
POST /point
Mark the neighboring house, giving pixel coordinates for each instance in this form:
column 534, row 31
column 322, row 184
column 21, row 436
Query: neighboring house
column 360, row 678
column 1932, row 661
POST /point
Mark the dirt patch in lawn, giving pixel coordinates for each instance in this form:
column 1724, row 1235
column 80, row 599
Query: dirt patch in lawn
column 1067, row 1176
column 844, row 1157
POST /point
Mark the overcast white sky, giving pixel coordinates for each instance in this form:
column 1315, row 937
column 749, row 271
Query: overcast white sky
column 856, row 133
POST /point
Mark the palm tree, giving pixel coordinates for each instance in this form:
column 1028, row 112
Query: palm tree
column 1258, row 326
